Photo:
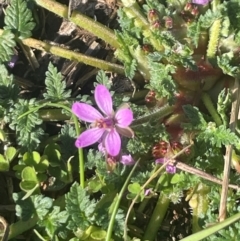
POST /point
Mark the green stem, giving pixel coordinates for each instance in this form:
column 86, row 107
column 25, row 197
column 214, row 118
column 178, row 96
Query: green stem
column 159, row 114
column 75, row 120
column 156, row 218
column 74, row 56
column 81, row 20
column 135, row 10
column 117, row 203
column 211, row 109
column 22, row 226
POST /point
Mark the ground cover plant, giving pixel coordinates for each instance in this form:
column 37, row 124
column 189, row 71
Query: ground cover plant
column 119, row 120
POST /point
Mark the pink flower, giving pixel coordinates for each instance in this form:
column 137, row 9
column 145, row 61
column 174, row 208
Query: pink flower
column 169, row 168
column 201, row 2
column 127, row 160
column 106, row 127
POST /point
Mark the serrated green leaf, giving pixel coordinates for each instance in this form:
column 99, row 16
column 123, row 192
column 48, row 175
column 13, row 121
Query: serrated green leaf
column 54, row 221
column 55, row 85
column 42, row 205
column 7, row 43
column 19, row 18
column 195, row 117
column 80, row 208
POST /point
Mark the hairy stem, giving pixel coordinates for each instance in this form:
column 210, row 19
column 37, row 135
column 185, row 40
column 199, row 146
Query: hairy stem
column 81, row 20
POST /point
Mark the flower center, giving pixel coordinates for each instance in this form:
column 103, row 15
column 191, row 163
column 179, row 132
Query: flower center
column 107, row 123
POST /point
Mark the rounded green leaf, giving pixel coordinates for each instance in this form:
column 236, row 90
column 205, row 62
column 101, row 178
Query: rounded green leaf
column 43, row 164
column 31, row 158
column 134, row 188
column 28, row 174
column 4, row 164
column 53, row 152
column 10, row 153
column 2, row 135
column 99, row 235
column 176, row 178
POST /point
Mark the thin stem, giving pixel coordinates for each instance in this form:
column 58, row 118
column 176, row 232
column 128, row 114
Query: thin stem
column 117, row 203
column 211, row 109
column 228, row 159
column 156, row 218
column 75, row 120
column 154, row 175
column 81, row 20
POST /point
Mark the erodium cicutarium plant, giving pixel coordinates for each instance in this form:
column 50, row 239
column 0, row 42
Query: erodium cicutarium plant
column 104, row 127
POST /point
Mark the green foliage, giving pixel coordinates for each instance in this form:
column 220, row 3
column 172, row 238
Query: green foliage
column 36, row 204
column 27, row 126
column 54, row 222
column 224, row 102
column 55, row 85
column 124, row 54
column 8, row 89
column 161, row 80
column 103, row 79
column 80, row 208
column 19, row 19
column 7, row 158
column 225, row 63
column 195, row 117
column 67, row 138
column 218, row 136
column 7, row 43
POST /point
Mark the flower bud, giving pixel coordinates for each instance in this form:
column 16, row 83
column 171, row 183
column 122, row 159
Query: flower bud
column 156, row 25
column 151, row 98
column 195, row 11
column 168, row 22
column 153, row 15
column 160, row 149
column 147, row 48
column 188, row 7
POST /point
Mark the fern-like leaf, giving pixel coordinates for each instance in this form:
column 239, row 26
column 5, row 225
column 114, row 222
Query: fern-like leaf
column 80, row 208
column 8, row 90
column 56, row 87
column 27, row 128
column 19, row 19
column 7, row 43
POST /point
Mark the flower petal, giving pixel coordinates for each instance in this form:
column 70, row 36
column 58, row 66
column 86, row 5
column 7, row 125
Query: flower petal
column 160, row 160
column 89, row 137
column 103, row 99
column 112, row 143
column 201, row 2
column 127, row 160
column 171, row 169
column 86, row 112
column 125, row 131
column 124, row 117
